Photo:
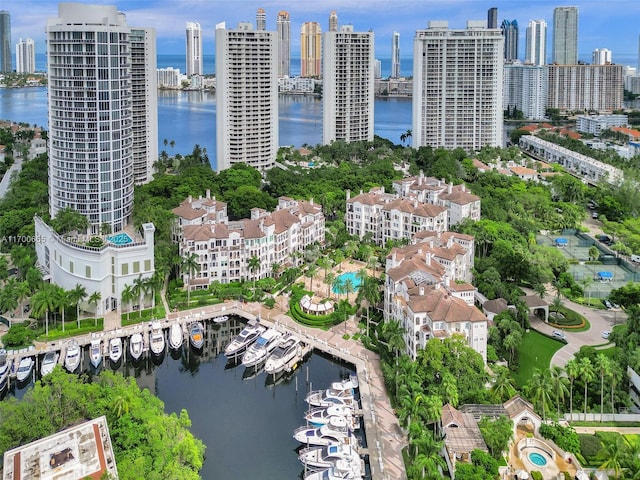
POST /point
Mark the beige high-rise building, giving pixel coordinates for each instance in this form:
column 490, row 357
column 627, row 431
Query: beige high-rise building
column 310, row 50
column 246, row 96
column 586, row 87
column 283, row 26
column 453, row 104
column 261, row 19
column 348, row 86
column 333, row 21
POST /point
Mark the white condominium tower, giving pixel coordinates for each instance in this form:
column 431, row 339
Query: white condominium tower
column 536, row 43
column 310, row 50
column 348, row 86
column 246, row 96
column 144, row 82
column 565, row 35
column 194, row 49
column 601, row 56
column 90, row 114
column 261, row 19
column 283, row 26
column 457, row 86
column 333, row 21
column 26, row 56
column 395, row 55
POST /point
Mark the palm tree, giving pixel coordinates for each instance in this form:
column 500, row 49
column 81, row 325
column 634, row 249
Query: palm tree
column 325, row 263
column 348, row 287
column 587, row 374
column 503, row 387
column 8, row 297
column 612, row 454
column 449, row 389
column 329, row 278
column 511, row 342
column 23, row 290
column 62, row 301
column 538, row 389
column 121, row 404
column 127, row 297
column 573, row 370
column 44, row 301
column 337, row 286
column 76, row 295
column 540, row 289
column 604, row 367
column 94, row 298
column 138, row 292
column 616, row 376
column 190, row 264
column 370, row 291
column 350, row 248
column 393, row 334
column 275, row 269
column 309, row 273
column 559, row 383
column 254, row 265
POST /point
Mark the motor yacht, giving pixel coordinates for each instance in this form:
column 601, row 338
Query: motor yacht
column 156, row 338
column 288, row 348
column 336, row 431
column 329, row 397
column 321, row 415
column 5, row 368
column 72, row 357
column 175, row 336
column 259, row 350
column 327, row 456
column 136, row 345
column 95, row 352
column 115, row 349
column 342, row 470
column 49, row 362
column 196, row 335
column 25, row 367
column 241, row 342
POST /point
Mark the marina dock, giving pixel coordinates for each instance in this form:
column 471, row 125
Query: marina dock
column 384, row 437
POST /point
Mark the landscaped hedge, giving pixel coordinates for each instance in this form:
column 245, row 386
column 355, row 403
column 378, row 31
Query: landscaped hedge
column 590, row 445
column 571, row 318
column 536, row 475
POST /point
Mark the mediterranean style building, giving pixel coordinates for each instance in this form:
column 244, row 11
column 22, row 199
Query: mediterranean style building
column 223, row 248
column 418, row 204
column 428, row 291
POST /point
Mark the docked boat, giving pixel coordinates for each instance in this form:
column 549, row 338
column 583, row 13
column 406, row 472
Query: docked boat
column 259, row 350
column 287, row 350
column 329, row 397
column 156, row 339
column 25, row 368
column 241, row 342
column 5, row 368
column 327, row 456
column 175, row 336
column 49, row 362
column 349, row 384
column 321, row 415
column 136, row 345
column 72, row 357
column 336, row 431
column 196, row 335
column 115, row 349
column 342, row 470
column 221, row 319
column 95, row 353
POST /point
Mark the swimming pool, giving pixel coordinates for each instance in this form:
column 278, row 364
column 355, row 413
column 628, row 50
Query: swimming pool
column 120, row 239
column 537, row 459
column 340, row 281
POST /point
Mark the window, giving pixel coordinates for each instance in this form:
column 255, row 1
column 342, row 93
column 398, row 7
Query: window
column 125, row 269
column 136, row 267
column 87, row 271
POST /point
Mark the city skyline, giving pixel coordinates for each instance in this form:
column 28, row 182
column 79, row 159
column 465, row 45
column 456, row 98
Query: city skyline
column 406, row 17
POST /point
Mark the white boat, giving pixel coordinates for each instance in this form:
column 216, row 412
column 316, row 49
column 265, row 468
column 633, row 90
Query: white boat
column 175, row 336
column 5, row 368
column 156, row 339
column 95, row 353
column 196, row 335
column 350, row 383
column 329, row 397
column 49, row 362
column 321, row 415
column 342, row 470
column 24, row 369
column 72, row 357
column 136, row 346
column 115, row 349
column 221, row 319
column 246, row 337
column 288, row 348
column 259, row 350
column 327, row 456
column 336, row 431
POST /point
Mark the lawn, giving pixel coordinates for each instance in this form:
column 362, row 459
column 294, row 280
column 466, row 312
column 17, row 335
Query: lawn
column 535, row 351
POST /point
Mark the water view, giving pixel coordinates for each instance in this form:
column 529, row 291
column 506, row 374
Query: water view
column 245, row 420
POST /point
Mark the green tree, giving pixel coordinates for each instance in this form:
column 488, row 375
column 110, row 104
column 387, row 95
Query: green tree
column 587, row 374
column 496, row 433
column 62, row 302
column 503, row 386
column 612, row 455
column 22, row 293
column 127, row 297
column 603, row 366
column 254, row 265
column 94, row 299
column 559, row 385
column 68, row 220
column 538, row 389
column 76, row 295
column 43, row 302
column 190, row 266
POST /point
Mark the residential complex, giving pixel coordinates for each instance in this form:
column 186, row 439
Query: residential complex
column 283, row 27
column 596, row 124
column 194, row 49
column 417, row 204
column 492, row 18
column 310, row 50
column 590, row 169
column 395, row 55
column 536, row 43
column 601, row 56
column 454, row 106
column 565, row 36
column 428, row 291
column 223, row 248
column 585, row 87
column 333, row 21
column 510, row 33
column 246, row 97
column 261, row 19
column 5, row 42
column 348, row 81
column 26, row 56
column 526, row 89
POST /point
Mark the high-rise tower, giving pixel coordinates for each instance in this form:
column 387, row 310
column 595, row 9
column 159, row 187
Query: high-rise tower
column 395, row 55
column 565, row 35
column 261, row 19
column 333, row 21
column 348, row 85
column 26, row 56
column 283, row 26
column 5, row 41
column 536, row 42
column 492, row 18
column 194, row 49
column 452, row 106
column 246, row 96
column 310, row 50
column 510, row 33
column 601, row 56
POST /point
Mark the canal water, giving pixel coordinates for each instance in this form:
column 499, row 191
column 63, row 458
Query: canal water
column 246, row 421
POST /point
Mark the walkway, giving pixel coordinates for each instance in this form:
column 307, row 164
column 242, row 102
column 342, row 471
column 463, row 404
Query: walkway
column 620, row 430
column 6, row 179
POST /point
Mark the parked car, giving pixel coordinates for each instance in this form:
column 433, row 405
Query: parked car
column 606, row 334
column 558, row 334
column 607, row 304
column 594, row 215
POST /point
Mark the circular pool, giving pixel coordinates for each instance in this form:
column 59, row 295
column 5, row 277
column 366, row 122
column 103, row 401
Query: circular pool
column 537, row 459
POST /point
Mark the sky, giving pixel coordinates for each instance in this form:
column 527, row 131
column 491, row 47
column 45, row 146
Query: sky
column 611, row 24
